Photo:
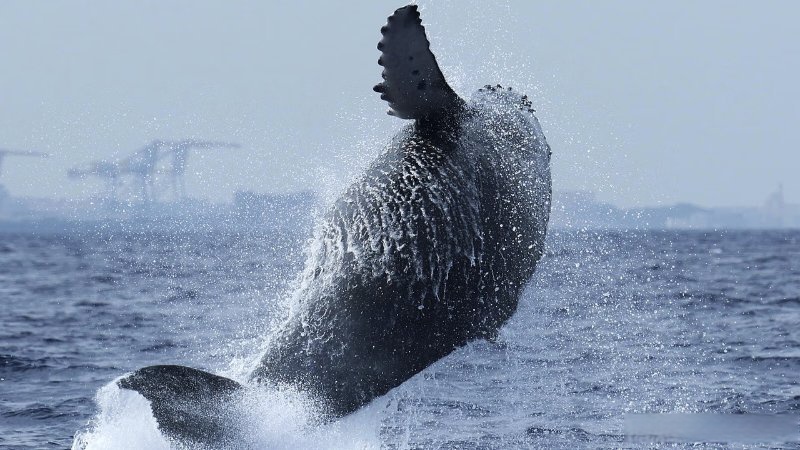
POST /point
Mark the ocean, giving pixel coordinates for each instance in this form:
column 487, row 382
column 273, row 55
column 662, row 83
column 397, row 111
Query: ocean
column 613, row 325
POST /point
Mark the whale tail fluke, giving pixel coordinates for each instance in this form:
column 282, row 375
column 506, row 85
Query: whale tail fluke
column 189, row 404
column 413, row 84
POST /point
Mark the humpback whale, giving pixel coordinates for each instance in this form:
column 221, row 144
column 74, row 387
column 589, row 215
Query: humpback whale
column 428, row 250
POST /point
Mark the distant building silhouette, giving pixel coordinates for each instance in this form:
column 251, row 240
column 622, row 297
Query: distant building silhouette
column 582, row 210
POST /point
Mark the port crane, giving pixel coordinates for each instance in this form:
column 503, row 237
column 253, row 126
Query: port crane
column 145, row 165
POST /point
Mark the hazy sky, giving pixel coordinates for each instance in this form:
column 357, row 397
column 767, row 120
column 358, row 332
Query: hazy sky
column 642, row 102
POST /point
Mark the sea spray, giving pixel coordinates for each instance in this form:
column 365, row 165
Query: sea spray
column 275, row 418
column 123, row 421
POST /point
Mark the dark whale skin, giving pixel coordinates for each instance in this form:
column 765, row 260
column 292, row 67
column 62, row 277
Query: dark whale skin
column 428, row 250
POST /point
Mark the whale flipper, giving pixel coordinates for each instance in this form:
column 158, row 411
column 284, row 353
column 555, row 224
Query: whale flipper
column 189, row 404
column 413, row 84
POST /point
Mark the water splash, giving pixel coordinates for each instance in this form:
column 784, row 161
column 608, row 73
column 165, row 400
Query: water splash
column 124, row 421
column 276, row 418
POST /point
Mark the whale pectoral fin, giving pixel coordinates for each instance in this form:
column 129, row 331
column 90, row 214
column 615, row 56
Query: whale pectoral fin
column 413, row 84
column 189, row 404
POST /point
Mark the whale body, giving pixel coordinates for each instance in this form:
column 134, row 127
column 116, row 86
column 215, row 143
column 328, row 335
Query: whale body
column 428, row 250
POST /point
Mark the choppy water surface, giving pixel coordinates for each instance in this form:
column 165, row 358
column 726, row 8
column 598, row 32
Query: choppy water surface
column 612, row 323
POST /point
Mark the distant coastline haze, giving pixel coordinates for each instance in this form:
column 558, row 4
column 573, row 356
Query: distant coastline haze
column 643, row 103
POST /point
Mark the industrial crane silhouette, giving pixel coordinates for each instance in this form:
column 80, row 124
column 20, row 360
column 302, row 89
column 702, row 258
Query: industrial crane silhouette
column 109, row 171
column 144, row 165
column 5, row 152
column 180, row 155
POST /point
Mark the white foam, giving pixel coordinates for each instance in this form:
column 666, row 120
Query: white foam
column 287, row 419
column 124, row 421
column 269, row 418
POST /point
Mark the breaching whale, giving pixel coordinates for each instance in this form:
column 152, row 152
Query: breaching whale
column 428, row 250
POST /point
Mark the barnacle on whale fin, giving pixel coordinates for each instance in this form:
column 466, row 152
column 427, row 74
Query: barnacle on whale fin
column 413, row 84
column 522, row 102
